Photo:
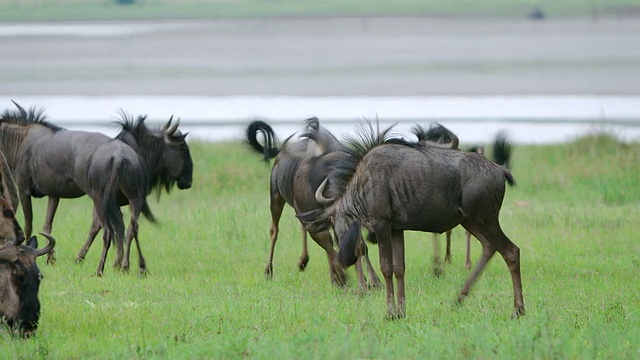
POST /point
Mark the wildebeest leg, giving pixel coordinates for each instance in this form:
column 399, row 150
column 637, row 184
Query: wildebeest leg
column 398, row 269
column 304, row 257
column 374, row 280
column 52, row 206
column 132, row 232
column 277, row 205
column 27, row 211
column 467, row 259
column 437, row 263
column 493, row 239
column 323, row 238
column 106, row 242
column 93, row 232
column 385, row 250
column 447, row 256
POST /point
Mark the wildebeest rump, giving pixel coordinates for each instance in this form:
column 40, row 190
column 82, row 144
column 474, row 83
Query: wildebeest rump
column 438, row 134
column 19, row 284
column 167, row 160
column 48, row 160
column 390, row 188
column 298, row 169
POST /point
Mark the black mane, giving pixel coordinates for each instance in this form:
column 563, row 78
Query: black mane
column 367, row 138
column 23, row 117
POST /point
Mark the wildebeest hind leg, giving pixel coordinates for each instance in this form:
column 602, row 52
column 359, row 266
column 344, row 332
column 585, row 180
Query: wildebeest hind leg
column 277, row 205
column 437, row 263
column 488, row 250
column 93, row 232
column 493, row 239
column 52, row 206
column 398, row 269
column 323, row 238
column 106, row 242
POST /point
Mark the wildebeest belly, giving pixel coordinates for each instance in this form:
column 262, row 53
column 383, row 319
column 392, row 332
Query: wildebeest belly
column 60, row 188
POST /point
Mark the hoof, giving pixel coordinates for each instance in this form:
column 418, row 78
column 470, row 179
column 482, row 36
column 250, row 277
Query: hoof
column 268, row 272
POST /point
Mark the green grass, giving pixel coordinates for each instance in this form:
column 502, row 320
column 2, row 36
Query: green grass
column 574, row 214
column 17, row 10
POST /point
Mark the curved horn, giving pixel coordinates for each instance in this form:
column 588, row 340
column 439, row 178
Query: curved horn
column 23, row 113
column 454, row 141
column 47, row 249
column 166, row 126
column 9, row 253
column 173, row 127
column 321, row 199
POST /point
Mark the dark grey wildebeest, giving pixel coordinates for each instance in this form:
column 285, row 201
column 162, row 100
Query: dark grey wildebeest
column 391, row 188
column 298, row 170
column 19, row 284
column 167, row 161
column 48, row 160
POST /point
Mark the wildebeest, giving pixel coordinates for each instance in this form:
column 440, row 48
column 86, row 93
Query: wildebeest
column 19, row 284
column 298, row 169
column 167, row 162
column 390, row 188
column 48, row 160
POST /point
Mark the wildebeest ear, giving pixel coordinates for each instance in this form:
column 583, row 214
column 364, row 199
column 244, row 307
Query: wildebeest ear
column 33, row 242
column 315, row 220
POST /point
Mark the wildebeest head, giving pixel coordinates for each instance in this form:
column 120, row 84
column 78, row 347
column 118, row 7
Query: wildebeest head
column 19, row 284
column 165, row 151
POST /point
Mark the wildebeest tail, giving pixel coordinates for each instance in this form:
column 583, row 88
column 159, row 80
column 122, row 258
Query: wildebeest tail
column 269, row 149
column 348, row 241
column 502, row 150
column 146, row 211
column 107, row 207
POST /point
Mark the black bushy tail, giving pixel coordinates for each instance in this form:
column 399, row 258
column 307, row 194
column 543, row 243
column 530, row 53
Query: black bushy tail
column 502, row 150
column 348, row 241
column 146, row 211
column 269, row 150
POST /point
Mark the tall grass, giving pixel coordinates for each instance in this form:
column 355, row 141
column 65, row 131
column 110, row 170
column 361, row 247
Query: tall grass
column 573, row 214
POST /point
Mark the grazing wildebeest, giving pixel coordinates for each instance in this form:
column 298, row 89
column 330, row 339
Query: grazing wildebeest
column 298, row 169
column 48, row 160
column 390, row 188
column 19, row 283
column 167, row 161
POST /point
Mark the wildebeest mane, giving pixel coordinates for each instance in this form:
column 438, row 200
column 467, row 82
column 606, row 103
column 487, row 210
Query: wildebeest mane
column 366, row 138
column 22, row 117
column 148, row 143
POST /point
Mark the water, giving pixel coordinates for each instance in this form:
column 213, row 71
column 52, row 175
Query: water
column 528, row 119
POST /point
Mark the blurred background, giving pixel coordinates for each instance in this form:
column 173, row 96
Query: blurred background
column 547, row 71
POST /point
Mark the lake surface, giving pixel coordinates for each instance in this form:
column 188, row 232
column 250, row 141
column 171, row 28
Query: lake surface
column 528, row 119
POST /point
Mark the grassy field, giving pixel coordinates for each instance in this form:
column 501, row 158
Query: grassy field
column 573, row 214
column 18, row 10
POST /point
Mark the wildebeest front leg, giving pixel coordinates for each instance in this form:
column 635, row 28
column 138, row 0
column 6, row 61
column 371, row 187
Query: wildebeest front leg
column 93, row 232
column 437, row 263
column 385, row 250
column 362, row 253
column 304, row 257
column 323, row 238
column 27, row 211
column 52, row 206
column 447, row 256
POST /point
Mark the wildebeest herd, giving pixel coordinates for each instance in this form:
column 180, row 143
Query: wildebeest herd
column 376, row 182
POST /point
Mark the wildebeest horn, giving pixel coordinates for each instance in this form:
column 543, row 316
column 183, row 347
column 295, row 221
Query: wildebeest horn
column 171, row 128
column 321, row 199
column 454, row 141
column 9, row 253
column 47, row 249
column 23, row 113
